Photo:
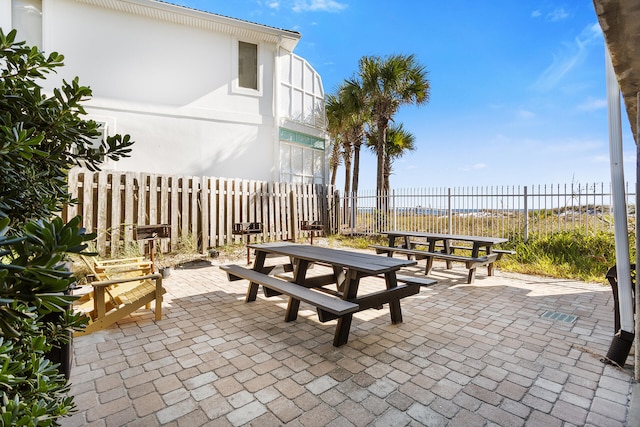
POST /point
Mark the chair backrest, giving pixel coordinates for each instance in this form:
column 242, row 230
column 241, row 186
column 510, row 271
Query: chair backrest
column 118, row 268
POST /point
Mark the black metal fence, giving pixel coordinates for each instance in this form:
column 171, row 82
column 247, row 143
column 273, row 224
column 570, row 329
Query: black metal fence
column 493, row 210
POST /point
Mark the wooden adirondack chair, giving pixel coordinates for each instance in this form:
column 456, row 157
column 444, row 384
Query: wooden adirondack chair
column 120, row 287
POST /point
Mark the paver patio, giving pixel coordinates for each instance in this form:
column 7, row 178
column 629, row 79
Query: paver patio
column 466, row 355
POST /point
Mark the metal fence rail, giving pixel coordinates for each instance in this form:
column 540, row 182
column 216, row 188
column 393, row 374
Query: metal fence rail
column 496, row 210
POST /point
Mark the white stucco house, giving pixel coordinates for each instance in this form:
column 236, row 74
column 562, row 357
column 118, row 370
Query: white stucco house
column 201, row 94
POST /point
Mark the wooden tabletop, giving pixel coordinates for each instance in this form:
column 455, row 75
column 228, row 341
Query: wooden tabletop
column 441, row 236
column 365, row 262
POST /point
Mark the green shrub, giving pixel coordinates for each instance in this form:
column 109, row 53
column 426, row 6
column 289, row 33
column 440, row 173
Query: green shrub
column 41, row 137
column 35, row 317
column 575, row 254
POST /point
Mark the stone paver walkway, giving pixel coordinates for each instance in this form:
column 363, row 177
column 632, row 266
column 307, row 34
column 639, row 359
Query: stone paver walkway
column 466, row 355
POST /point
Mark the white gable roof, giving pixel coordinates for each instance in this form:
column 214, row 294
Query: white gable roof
column 163, row 11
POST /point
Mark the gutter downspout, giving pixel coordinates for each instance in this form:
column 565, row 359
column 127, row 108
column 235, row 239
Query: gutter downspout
column 623, row 339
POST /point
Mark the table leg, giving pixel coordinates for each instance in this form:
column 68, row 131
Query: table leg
column 472, row 271
column 299, row 275
column 248, row 256
column 392, row 243
column 447, row 250
column 350, row 286
column 252, row 291
column 432, row 247
column 490, row 265
column 394, row 306
column 407, row 245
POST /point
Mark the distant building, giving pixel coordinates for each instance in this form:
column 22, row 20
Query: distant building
column 200, row 93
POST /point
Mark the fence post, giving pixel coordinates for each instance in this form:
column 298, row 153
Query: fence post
column 352, row 204
column 449, row 211
column 393, row 206
column 526, row 215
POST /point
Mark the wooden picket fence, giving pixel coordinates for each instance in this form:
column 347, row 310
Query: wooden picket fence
column 200, row 211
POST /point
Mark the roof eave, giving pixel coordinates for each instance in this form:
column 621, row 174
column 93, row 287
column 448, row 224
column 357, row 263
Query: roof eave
column 168, row 12
column 620, row 22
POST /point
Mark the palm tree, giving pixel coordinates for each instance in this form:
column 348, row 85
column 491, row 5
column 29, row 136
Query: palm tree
column 334, row 128
column 354, row 98
column 347, row 116
column 388, row 84
column 399, row 141
column 337, row 118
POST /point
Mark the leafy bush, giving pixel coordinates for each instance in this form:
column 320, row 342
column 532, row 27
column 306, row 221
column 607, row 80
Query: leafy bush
column 41, row 137
column 33, row 281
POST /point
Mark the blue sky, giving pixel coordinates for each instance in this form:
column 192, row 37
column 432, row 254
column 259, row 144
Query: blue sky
column 518, row 93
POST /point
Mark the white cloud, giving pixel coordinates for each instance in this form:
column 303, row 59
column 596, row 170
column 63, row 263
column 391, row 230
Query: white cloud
column 318, row 6
column 475, row 167
column 536, row 13
column 274, row 5
column 572, row 54
column 526, row 114
column 557, row 15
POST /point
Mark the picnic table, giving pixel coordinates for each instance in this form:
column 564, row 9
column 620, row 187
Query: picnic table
column 346, row 268
column 442, row 246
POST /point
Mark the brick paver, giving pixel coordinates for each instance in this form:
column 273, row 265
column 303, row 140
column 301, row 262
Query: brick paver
column 466, row 355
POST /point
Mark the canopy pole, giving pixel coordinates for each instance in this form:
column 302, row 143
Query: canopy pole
column 619, row 203
column 636, row 363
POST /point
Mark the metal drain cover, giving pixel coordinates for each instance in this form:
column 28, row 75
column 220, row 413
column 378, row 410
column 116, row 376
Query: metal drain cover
column 554, row 315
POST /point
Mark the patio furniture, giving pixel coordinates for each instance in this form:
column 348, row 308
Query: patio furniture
column 347, row 269
column 433, row 241
column 120, row 287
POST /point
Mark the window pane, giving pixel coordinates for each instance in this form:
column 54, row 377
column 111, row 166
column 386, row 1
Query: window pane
column 26, row 17
column 296, row 160
column 248, row 65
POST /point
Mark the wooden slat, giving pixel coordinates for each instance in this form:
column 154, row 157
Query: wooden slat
column 220, row 202
column 271, row 194
column 184, row 200
column 116, row 206
column 153, row 200
column 72, row 183
column 142, row 199
column 228, row 204
column 204, row 213
column 175, row 210
column 194, row 190
column 164, row 210
column 130, row 183
column 87, row 201
column 102, row 224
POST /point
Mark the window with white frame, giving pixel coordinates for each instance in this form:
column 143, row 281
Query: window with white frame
column 247, row 65
column 300, row 164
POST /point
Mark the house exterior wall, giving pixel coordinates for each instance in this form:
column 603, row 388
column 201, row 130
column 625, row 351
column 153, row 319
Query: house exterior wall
column 167, row 76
